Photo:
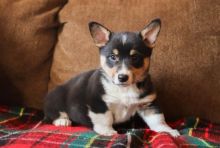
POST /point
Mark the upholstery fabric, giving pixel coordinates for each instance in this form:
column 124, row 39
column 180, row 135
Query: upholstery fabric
column 28, row 33
column 23, row 127
column 185, row 62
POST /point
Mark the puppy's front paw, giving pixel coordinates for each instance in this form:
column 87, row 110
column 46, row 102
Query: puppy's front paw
column 62, row 122
column 173, row 132
column 109, row 132
column 167, row 129
column 106, row 131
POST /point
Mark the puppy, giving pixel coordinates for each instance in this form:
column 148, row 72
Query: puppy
column 117, row 90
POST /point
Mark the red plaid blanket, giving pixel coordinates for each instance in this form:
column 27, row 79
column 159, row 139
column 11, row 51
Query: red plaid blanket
column 22, row 127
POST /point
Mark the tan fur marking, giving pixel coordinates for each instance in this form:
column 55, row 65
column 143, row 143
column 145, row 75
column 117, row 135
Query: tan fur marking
column 110, row 71
column 139, row 72
column 133, row 52
column 115, row 51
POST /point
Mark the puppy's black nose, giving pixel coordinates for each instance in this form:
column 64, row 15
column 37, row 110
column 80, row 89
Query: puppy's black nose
column 122, row 77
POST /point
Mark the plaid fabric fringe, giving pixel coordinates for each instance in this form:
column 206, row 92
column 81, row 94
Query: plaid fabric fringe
column 23, row 127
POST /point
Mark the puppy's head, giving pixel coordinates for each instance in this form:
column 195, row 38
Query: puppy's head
column 125, row 56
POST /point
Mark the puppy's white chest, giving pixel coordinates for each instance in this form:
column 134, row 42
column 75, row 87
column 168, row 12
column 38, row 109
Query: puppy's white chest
column 122, row 112
column 122, row 102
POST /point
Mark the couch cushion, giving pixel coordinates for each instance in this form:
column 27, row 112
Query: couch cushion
column 185, row 63
column 28, row 32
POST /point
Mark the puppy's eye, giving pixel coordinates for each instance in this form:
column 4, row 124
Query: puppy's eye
column 112, row 57
column 135, row 57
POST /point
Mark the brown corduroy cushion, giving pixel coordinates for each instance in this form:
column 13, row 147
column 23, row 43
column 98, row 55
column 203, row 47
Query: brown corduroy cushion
column 185, row 63
column 28, row 33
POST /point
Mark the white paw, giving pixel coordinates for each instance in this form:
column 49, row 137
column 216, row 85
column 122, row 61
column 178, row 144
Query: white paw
column 62, row 122
column 173, row 132
column 105, row 131
column 167, row 129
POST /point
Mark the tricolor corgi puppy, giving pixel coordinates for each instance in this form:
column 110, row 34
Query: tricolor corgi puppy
column 117, row 90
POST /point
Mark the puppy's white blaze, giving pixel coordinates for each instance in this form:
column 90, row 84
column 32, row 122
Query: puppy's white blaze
column 126, row 71
column 124, row 39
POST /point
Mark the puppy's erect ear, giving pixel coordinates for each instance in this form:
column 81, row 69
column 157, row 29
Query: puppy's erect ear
column 100, row 34
column 150, row 32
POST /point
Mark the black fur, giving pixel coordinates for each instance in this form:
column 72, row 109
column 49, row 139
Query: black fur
column 75, row 96
column 133, row 41
column 84, row 92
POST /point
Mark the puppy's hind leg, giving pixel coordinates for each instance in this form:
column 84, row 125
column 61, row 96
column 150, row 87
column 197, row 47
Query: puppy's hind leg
column 102, row 123
column 62, row 120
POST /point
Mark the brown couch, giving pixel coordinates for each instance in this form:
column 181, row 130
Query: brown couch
column 185, row 63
